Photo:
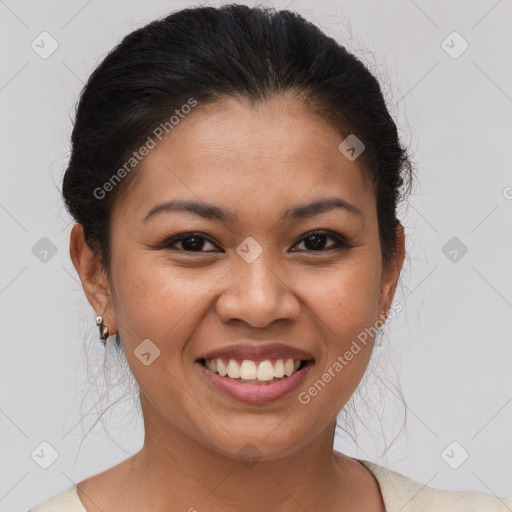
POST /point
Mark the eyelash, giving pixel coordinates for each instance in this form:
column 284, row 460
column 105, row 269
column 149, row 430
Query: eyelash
column 340, row 243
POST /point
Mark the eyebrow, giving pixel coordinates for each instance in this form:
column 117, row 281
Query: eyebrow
column 209, row 211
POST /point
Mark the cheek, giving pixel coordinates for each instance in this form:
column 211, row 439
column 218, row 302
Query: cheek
column 151, row 288
column 153, row 304
column 347, row 299
column 344, row 305
column 158, row 301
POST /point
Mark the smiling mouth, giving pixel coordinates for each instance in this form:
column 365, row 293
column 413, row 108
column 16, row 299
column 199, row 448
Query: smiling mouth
column 254, row 372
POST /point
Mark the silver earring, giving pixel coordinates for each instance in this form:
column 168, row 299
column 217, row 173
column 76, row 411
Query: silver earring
column 104, row 334
column 380, row 332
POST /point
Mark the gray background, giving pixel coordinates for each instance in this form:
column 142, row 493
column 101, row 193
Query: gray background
column 450, row 346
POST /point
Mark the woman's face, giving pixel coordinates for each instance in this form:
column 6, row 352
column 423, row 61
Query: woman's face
column 253, row 279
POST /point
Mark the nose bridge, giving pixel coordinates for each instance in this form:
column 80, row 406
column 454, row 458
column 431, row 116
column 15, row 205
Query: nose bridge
column 256, row 293
column 256, row 262
column 260, row 277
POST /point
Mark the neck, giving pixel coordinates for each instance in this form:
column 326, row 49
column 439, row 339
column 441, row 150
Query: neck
column 174, row 468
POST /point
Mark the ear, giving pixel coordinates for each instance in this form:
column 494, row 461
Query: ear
column 93, row 277
column 391, row 273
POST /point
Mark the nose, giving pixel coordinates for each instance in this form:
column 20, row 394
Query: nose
column 257, row 295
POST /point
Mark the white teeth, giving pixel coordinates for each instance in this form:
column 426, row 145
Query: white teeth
column 221, row 367
column 288, row 367
column 233, row 369
column 250, row 370
column 265, row 371
column 279, row 368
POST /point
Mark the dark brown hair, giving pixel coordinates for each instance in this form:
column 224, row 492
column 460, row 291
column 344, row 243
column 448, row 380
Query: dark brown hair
column 206, row 53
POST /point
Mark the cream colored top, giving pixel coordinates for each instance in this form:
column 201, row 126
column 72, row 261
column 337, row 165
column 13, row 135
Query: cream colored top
column 400, row 494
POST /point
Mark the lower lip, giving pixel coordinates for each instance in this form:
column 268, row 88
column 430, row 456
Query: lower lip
column 255, row 393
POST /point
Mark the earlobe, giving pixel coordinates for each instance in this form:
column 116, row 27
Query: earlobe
column 92, row 274
column 392, row 272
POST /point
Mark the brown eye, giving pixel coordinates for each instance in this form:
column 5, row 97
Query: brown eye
column 316, row 241
column 190, row 242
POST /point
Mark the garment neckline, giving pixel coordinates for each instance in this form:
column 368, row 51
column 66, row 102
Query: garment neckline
column 370, row 466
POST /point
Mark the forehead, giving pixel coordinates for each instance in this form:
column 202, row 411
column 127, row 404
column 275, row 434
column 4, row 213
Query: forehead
column 250, row 156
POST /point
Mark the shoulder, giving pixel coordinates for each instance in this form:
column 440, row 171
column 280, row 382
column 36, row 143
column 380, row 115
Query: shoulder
column 400, row 493
column 65, row 501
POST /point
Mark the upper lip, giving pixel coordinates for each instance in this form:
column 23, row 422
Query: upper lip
column 257, row 352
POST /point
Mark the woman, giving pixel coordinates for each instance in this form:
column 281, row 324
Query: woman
column 234, row 179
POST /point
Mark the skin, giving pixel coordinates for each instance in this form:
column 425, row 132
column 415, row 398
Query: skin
column 255, row 161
